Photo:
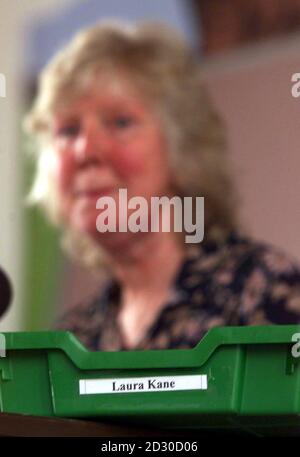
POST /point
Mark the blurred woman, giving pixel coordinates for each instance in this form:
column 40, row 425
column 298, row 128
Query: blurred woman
column 123, row 107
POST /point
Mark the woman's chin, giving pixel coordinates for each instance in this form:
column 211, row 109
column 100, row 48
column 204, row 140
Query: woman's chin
column 88, row 226
column 85, row 227
column 86, row 223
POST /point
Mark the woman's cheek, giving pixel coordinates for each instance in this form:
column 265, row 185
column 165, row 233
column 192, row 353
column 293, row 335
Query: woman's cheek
column 63, row 172
column 127, row 162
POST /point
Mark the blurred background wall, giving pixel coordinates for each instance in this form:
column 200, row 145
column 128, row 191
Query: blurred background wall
column 13, row 15
column 249, row 52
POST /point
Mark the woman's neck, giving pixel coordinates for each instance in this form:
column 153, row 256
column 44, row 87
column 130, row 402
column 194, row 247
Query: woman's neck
column 146, row 271
column 147, row 268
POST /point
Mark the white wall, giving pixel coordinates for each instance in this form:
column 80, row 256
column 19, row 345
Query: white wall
column 14, row 15
column 252, row 88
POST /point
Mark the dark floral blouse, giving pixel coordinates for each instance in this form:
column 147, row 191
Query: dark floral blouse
column 236, row 282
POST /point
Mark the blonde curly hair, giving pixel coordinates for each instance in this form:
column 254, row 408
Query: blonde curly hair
column 160, row 62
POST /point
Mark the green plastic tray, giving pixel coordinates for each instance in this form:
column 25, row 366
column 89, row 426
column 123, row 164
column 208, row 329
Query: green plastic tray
column 235, row 378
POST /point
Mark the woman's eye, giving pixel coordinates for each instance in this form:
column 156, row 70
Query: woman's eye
column 68, row 130
column 123, row 122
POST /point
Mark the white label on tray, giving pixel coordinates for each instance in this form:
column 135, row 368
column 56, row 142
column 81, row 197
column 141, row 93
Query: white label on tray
column 147, row 384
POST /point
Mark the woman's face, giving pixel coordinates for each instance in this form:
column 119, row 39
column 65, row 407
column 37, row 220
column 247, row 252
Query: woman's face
column 108, row 139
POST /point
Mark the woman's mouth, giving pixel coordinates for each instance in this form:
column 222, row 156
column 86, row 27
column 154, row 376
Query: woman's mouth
column 94, row 194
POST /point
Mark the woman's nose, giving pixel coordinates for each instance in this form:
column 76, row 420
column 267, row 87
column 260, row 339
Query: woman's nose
column 92, row 145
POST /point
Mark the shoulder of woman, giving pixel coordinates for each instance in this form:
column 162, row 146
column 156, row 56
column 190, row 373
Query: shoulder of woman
column 83, row 314
column 269, row 282
column 273, row 262
column 241, row 256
